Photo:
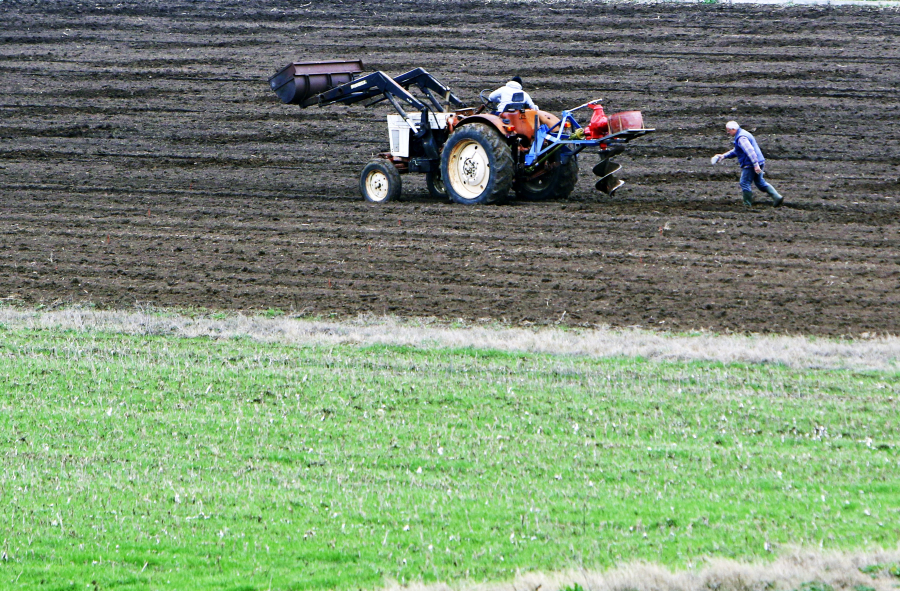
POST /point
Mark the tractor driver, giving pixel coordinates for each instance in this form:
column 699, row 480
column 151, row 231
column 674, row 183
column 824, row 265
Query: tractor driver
column 511, row 94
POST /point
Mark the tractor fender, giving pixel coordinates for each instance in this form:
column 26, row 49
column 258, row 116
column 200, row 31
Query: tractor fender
column 511, row 124
column 548, row 119
column 492, row 120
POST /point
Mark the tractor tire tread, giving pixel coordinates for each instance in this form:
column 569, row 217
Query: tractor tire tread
column 503, row 170
column 563, row 184
column 390, row 171
column 568, row 178
column 435, row 185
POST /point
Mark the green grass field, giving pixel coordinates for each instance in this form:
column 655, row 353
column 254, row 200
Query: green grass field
column 167, row 463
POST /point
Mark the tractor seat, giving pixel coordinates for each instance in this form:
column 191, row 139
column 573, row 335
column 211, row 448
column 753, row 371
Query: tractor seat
column 517, row 103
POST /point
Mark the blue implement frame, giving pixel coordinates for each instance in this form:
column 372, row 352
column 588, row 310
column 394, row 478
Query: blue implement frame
column 557, row 139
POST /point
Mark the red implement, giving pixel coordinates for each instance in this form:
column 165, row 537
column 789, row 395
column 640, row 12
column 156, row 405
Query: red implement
column 599, row 124
column 625, row 120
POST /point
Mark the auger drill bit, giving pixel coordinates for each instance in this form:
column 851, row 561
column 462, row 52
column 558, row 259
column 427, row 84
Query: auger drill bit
column 606, row 170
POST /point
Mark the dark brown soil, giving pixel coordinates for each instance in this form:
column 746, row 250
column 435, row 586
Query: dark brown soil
column 143, row 159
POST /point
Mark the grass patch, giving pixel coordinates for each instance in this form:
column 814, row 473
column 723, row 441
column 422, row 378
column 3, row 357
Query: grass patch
column 154, row 462
column 876, row 569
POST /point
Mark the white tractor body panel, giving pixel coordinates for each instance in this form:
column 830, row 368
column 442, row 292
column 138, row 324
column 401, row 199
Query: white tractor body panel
column 398, row 130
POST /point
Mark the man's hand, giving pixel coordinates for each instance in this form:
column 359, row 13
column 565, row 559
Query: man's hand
column 757, row 169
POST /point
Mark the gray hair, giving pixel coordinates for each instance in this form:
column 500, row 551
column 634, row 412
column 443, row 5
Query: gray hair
column 732, row 125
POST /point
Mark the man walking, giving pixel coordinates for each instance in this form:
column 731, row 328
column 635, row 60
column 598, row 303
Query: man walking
column 752, row 163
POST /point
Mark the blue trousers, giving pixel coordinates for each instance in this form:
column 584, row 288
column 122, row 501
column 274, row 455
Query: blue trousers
column 750, row 178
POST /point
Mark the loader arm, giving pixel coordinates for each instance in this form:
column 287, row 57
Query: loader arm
column 370, row 86
column 328, row 83
column 367, row 87
column 395, row 90
column 379, row 83
column 429, row 85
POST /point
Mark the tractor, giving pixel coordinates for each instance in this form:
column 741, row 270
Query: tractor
column 471, row 155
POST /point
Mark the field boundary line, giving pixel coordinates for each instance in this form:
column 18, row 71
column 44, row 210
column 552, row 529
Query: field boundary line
column 794, row 569
column 798, row 352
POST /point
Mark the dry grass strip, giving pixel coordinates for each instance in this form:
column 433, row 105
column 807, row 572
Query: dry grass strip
column 796, row 570
column 878, row 353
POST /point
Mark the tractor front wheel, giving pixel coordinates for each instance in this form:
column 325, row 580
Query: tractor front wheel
column 477, row 165
column 556, row 183
column 379, row 181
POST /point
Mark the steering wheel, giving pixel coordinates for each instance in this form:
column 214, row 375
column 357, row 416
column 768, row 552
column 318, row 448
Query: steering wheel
column 486, row 103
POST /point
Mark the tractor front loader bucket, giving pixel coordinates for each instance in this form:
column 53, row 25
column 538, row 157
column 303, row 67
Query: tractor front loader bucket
column 298, row 82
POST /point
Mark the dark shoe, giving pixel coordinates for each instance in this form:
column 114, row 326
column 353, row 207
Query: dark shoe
column 748, row 198
column 777, row 199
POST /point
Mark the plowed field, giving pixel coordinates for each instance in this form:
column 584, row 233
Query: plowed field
column 143, row 159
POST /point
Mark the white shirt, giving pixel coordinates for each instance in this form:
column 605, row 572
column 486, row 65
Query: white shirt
column 504, row 96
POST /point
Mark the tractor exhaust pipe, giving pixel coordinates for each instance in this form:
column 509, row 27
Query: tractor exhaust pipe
column 298, row 83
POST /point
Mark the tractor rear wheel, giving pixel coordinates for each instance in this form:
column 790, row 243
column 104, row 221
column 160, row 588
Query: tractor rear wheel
column 379, row 181
column 556, row 183
column 477, row 165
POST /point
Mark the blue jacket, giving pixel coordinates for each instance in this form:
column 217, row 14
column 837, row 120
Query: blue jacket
column 746, row 149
